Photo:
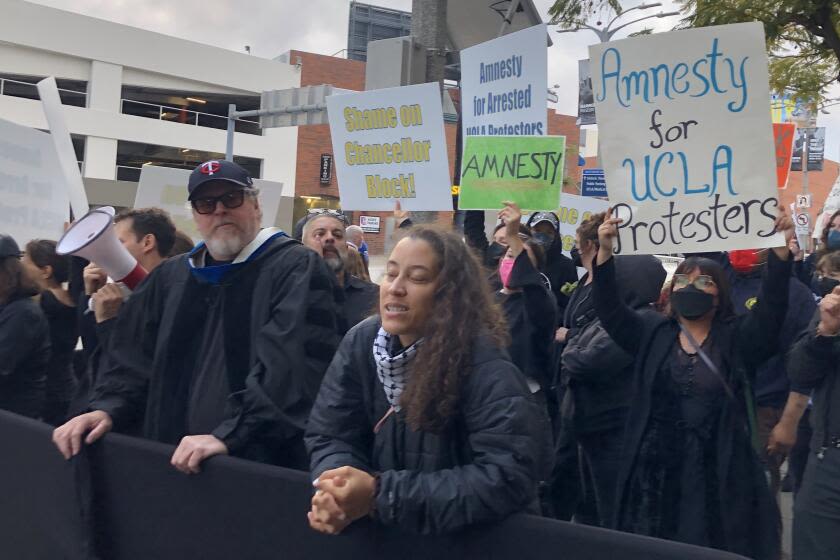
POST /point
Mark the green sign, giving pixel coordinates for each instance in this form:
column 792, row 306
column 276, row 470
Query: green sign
column 527, row 170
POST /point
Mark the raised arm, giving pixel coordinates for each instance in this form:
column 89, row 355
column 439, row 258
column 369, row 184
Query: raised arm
column 623, row 324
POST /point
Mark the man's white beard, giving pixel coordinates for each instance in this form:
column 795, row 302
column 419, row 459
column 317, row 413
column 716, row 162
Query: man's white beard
column 334, row 262
column 225, row 248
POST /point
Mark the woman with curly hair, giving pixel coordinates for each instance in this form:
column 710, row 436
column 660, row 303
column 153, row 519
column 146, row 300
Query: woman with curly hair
column 422, row 421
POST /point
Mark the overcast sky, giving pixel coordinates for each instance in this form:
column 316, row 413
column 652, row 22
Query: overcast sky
column 272, row 27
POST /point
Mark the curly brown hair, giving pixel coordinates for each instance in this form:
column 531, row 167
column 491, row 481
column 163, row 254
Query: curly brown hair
column 464, row 310
column 588, row 228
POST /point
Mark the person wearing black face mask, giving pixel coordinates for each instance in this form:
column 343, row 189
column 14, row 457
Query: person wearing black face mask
column 804, row 268
column 690, row 472
column 490, row 253
column 545, row 229
column 779, row 404
column 815, row 360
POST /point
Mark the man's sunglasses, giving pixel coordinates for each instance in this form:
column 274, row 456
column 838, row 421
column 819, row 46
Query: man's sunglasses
column 318, row 212
column 702, row 282
column 230, row 200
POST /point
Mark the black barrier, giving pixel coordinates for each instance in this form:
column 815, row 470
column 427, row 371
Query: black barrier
column 145, row 509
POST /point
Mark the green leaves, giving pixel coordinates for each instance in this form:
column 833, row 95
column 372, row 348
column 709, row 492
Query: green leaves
column 803, row 38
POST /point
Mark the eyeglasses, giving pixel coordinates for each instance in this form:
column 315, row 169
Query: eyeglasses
column 230, row 200
column 337, row 214
column 702, row 282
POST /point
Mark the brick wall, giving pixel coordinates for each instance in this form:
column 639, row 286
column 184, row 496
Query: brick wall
column 819, row 185
column 564, row 125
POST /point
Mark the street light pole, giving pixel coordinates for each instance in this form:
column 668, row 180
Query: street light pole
column 605, row 33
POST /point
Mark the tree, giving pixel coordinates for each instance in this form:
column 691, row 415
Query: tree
column 803, row 39
column 572, row 14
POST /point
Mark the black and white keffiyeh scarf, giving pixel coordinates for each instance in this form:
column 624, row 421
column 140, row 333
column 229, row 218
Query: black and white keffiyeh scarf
column 392, row 370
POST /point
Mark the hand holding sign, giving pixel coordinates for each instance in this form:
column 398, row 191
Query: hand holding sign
column 607, row 233
column 830, row 314
column 511, row 216
column 784, row 225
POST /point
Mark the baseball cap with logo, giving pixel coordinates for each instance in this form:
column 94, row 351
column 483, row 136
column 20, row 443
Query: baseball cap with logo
column 218, row 170
column 549, row 217
column 8, row 247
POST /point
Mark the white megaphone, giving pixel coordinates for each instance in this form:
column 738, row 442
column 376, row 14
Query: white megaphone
column 92, row 237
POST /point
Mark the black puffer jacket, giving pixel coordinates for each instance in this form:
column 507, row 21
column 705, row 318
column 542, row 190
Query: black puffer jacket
column 598, row 371
column 481, row 469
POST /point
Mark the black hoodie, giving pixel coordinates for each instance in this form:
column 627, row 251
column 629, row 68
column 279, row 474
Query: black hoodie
column 597, row 370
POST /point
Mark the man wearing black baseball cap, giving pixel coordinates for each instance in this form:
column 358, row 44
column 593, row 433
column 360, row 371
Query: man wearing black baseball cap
column 223, row 348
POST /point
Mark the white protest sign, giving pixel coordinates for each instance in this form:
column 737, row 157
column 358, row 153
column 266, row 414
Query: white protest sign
column 60, row 136
column 166, row 188
column 504, row 85
column 390, row 145
column 33, row 197
column 686, row 139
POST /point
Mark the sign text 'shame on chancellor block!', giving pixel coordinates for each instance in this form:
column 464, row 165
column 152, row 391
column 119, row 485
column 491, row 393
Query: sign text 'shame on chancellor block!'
column 390, row 146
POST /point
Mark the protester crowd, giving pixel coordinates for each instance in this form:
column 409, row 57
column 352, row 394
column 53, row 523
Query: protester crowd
column 478, row 379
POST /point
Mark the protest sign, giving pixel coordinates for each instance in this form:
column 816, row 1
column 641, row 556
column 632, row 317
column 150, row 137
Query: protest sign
column 504, row 85
column 166, row 188
column 390, row 146
column 65, row 154
column 783, row 138
column 34, row 203
column 527, row 170
column 586, row 100
column 593, row 183
column 679, row 174
column 816, row 148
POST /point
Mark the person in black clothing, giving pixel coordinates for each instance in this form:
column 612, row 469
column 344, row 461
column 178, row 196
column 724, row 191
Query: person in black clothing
column 691, row 473
column 149, row 235
column 221, row 350
column 814, row 361
column 50, row 270
column 779, row 405
column 804, row 268
column 24, row 337
column 597, row 373
column 422, row 421
column 323, row 232
column 545, row 228
column 529, row 309
column 527, row 303
column 490, row 253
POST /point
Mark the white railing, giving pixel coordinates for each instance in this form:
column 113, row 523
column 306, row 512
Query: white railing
column 183, row 116
column 68, row 93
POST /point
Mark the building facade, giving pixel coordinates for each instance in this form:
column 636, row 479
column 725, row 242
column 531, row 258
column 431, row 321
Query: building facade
column 133, row 97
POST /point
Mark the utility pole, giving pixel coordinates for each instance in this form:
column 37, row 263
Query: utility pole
column 428, row 28
column 805, row 150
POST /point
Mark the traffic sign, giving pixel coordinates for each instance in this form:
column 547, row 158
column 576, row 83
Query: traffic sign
column 803, row 223
column 593, row 183
column 803, row 201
